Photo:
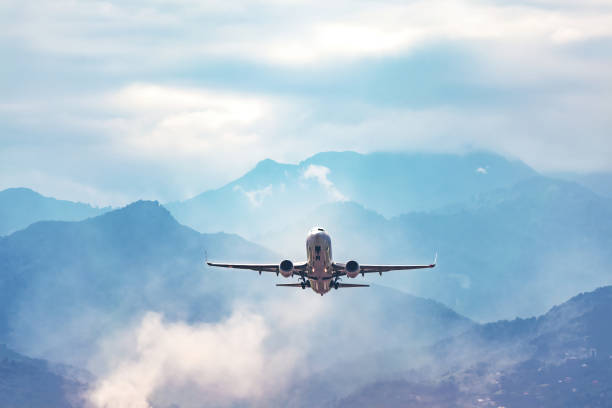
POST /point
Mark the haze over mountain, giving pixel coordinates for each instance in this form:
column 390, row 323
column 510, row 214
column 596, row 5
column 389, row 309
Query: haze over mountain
column 561, row 358
column 506, row 253
column 272, row 194
column 90, row 276
column 20, row 207
column 35, row 383
column 599, row 182
column 115, row 294
column 495, row 224
column 69, row 290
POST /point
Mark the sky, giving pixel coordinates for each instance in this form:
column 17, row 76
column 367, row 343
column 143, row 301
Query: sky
column 107, row 102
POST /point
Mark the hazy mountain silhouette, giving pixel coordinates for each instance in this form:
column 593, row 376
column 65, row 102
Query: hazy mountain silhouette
column 72, row 281
column 20, row 207
column 600, row 182
column 561, row 358
column 270, row 195
column 34, row 383
column 508, row 252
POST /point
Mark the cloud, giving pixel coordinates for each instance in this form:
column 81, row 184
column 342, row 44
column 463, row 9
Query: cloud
column 249, row 30
column 190, row 95
column 223, row 362
column 481, row 170
column 256, row 197
column 320, row 173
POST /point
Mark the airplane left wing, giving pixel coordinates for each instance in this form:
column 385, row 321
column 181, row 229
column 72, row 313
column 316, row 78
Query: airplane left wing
column 299, row 268
column 254, row 267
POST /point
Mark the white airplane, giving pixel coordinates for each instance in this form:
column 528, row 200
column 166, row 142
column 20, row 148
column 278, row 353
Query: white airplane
column 320, row 272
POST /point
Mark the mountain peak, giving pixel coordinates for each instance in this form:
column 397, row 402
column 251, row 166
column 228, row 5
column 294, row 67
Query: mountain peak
column 266, row 163
column 142, row 214
column 143, row 208
column 21, row 191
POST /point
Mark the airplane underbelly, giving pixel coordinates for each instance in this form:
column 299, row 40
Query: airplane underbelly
column 320, row 280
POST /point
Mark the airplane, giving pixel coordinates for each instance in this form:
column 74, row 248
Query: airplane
column 320, row 272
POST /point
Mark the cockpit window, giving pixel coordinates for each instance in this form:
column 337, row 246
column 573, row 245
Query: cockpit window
column 317, row 249
column 320, row 229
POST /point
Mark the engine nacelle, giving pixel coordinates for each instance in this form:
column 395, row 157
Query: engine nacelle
column 352, row 269
column 286, row 268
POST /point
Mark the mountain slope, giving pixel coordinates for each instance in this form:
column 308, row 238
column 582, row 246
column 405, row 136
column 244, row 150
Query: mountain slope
column 33, row 383
column 269, row 196
column 510, row 252
column 564, row 360
column 94, row 275
column 20, row 207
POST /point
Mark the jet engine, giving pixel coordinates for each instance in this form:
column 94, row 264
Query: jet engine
column 286, row 268
column 352, row 269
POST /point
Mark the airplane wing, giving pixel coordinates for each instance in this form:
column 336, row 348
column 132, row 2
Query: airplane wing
column 298, row 268
column 363, row 269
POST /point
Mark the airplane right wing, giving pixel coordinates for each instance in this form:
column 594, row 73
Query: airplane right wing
column 340, row 268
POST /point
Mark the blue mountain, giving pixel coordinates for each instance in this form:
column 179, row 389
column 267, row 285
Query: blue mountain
column 561, row 358
column 35, row 383
column 509, row 252
column 20, row 207
column 102, row 272
column 95, row 276
column 270, row 195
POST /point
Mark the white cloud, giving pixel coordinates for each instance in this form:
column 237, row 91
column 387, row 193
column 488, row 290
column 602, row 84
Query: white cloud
column 125, row 90
column 320, row 173
column 249, row 30
column 481, row 170
column 249, row 357
column 160, row 120
column 226, row 362
column 256, row 197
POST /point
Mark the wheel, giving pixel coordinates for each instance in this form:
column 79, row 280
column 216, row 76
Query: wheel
column 303, row 285
column 336, row 286
column 308, row 283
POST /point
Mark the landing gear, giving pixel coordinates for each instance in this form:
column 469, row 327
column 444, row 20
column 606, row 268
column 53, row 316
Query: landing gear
column 334, row 284
column 305, row 283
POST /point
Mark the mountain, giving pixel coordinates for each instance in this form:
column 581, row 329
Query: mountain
column 600, row 182
column 35, row 383
column 92, row 276
column 509, row 252
column 20, row 207
column 563, row 360
column 269, row 196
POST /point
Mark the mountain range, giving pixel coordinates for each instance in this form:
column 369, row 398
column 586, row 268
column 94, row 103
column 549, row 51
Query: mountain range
column 90, row 276
column 494, row 223
column 561, row 358
column 272, row 194
column 511, row 242
column 20, row 207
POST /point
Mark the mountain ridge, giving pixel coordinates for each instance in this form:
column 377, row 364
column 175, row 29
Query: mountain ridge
column 20, row 207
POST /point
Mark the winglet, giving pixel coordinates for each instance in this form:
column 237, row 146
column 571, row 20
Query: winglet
column 435, row 262
column 206, row 257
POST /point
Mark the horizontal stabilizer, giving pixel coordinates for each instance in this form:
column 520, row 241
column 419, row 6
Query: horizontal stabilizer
column 340, row 285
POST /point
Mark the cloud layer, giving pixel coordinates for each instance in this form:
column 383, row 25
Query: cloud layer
column 97, row 97
column 248, row 357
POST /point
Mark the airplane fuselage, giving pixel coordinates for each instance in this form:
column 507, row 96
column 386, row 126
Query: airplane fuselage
column 319, row 259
